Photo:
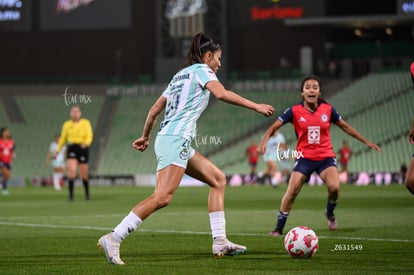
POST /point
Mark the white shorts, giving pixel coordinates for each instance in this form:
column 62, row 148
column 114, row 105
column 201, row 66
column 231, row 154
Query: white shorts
column 58, row 163
column 270, row 156
column 172, row 150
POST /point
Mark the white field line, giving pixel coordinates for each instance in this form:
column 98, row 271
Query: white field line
column 184, row 213
column 96, row 228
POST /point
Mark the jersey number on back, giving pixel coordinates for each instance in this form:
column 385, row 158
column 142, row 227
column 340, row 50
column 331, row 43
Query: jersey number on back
column 172, row 104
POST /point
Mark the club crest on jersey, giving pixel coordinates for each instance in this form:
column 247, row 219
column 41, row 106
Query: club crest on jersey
column 184, row 154
column 324, row 118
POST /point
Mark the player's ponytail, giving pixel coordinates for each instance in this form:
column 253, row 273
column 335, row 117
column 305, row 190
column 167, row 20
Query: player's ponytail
column 2, row 130
column 199, row 46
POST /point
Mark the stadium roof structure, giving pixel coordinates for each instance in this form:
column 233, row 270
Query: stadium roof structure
column 353, row 21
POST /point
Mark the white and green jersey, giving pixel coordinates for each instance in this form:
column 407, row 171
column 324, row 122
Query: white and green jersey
column 187, row 98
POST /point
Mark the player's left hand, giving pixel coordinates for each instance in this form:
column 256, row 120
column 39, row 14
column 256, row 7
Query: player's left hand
column 141, row 144
column 265, row 109
column 374, row 146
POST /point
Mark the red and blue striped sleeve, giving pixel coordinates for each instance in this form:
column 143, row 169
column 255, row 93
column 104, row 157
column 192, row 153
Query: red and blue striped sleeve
column 287, row 116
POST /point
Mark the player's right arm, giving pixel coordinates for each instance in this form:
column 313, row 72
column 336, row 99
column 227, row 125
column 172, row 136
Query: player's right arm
column 261, row 149
column 286, row 117
column 63, row 137
column 49, row 155
column 142, row 143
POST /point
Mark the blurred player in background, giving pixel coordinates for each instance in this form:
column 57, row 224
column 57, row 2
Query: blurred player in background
column 6, row 157
column 77, row 134
column 58, row 162
column 409, row 180
column 344, row 156
column 277, row 140
column 284, row 162
column 311, row 120
column 184, row 100
column 253, row 158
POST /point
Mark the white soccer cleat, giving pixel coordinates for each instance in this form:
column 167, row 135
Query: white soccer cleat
column 227, row 248
column 111, row 249
column 332, row 224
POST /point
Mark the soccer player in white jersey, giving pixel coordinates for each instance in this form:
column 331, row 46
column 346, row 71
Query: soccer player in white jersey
column 275, row 142
column 184, row 99
column 58, row 162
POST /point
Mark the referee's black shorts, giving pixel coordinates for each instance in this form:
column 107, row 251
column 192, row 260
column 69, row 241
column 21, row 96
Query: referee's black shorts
column 75, row 151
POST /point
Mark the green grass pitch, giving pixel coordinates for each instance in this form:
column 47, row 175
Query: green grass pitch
column 42, row 233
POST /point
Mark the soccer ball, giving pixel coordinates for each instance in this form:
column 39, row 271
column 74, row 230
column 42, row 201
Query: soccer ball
column 301, row 242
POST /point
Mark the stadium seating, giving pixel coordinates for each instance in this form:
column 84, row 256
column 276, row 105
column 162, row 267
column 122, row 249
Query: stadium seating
column 378, row 105
column 383, row 115
column 3, row 118
column 119, row 158
column 44, row 116
column 370, row 90
column 230, row 122
column 220, row 124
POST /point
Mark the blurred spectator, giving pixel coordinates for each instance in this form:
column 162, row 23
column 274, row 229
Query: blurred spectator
column 284, row 162
column 6, row 157
column 270, row 157
column 345, row 154
column 332, row 69
column 253, row 157
column 58, row 162
column 402, row 174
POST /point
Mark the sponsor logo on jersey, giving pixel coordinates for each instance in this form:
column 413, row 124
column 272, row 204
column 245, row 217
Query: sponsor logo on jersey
column 314, row 134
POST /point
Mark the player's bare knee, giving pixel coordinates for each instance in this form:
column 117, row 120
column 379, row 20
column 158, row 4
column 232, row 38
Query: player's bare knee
column 162, row 200
column 6, row 175
column 221, row 181
column 72, row 174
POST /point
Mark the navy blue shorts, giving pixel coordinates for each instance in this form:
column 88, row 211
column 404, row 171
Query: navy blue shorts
column 7, row 165
column 307, row 166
